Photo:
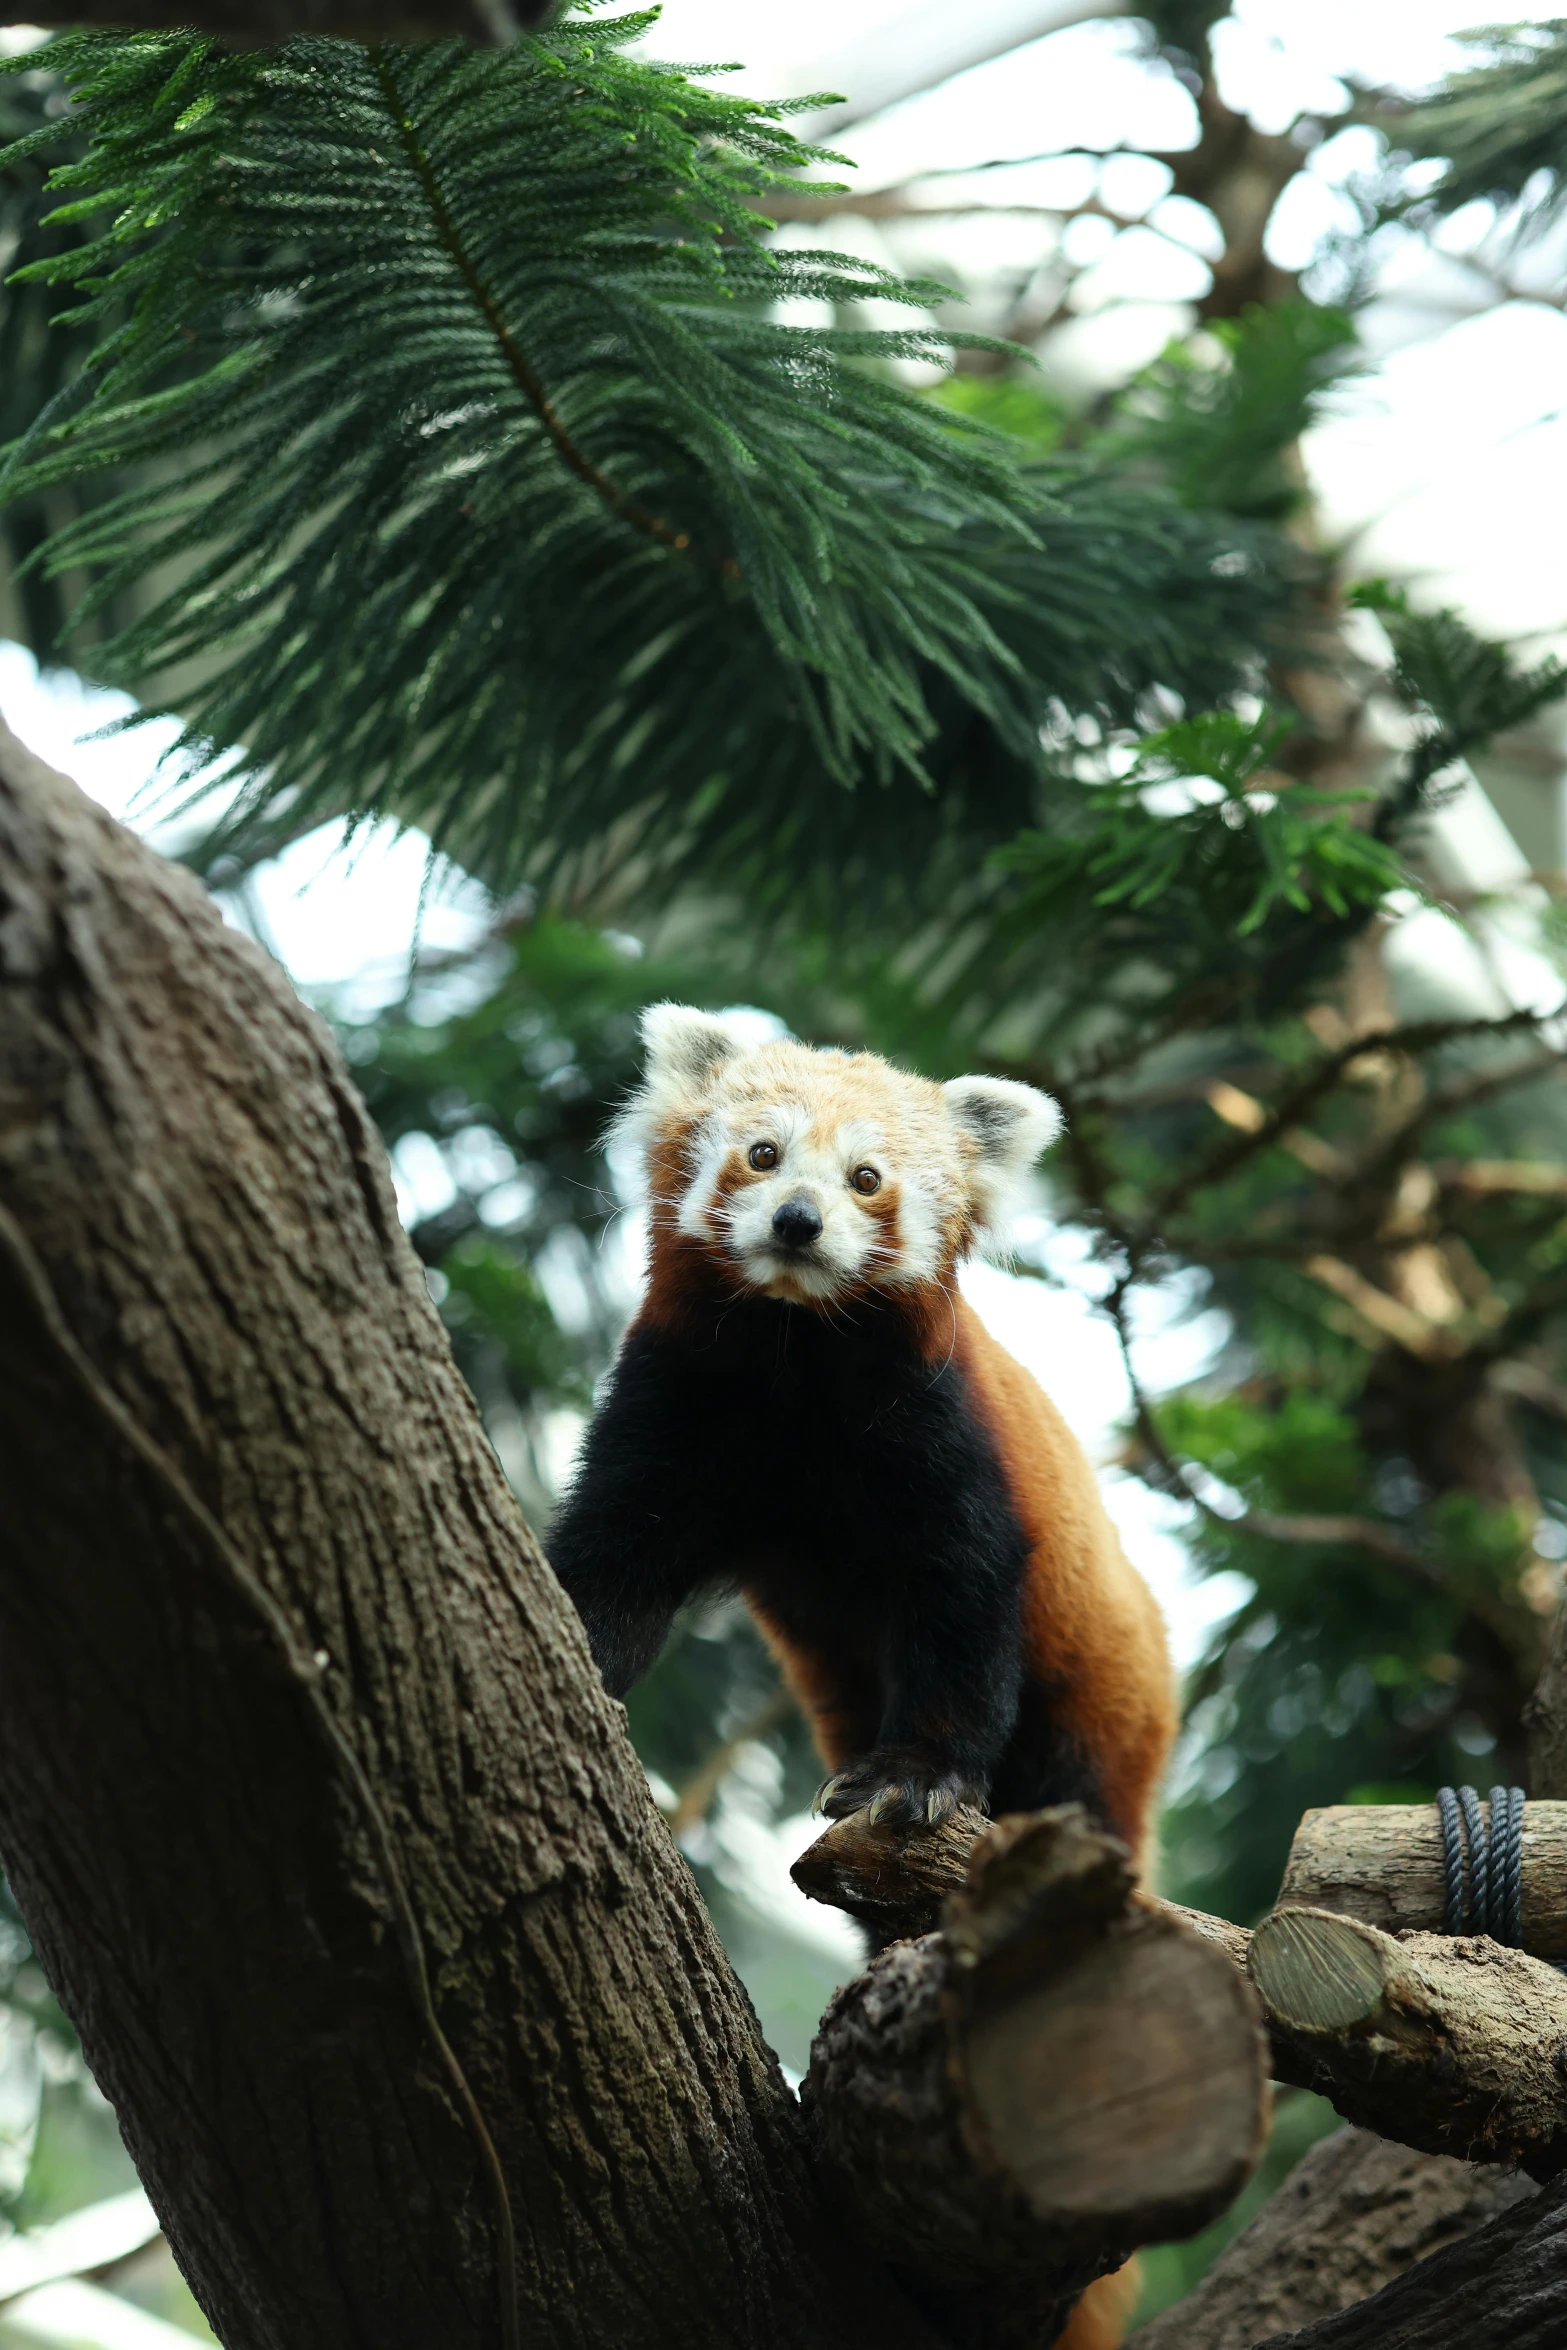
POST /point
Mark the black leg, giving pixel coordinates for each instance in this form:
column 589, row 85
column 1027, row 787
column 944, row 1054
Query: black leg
column 632, row 1539
column 953, row 1672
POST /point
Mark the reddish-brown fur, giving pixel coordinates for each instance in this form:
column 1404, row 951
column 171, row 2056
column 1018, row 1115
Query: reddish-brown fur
column 1092, row 1630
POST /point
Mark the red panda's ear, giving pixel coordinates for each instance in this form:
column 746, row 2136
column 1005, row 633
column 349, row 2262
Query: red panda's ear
column 683, row 1046
column 1009, row 1125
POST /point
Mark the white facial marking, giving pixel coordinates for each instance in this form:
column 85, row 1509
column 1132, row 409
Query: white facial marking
column 921, row 1234
column 808, row 1170
column 912, row 1178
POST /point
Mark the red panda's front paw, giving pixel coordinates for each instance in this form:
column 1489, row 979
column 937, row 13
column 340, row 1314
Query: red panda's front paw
column 897, row 1790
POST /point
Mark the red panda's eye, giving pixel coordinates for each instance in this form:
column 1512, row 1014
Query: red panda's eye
column 865, row 1179
column 763, row 1155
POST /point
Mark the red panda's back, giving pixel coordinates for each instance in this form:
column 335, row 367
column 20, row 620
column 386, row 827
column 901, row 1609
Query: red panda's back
column 1092, row 1630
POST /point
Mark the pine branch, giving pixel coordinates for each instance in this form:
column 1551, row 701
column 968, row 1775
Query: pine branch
column 1314, row 1085
column 522, row 373
column 494, row 493
column 1500, row 128
column 251, row 24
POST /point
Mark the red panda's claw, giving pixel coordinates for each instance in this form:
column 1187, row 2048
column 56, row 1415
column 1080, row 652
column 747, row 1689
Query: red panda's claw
column 880, row 1804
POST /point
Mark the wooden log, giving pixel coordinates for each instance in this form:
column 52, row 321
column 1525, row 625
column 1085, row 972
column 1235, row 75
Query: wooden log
column 1354, row 2213
column 1383, row 1863
column 1008, row 2108
column 1453, row 2045
column 1445, row 2045
column 895, row 1881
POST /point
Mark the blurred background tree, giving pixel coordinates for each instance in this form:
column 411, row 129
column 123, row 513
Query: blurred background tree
column 1056, row 737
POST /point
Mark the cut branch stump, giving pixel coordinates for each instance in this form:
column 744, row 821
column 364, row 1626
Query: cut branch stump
column 1443, row 2044
column 895, row 1881
column 1009, row 2107
column 1452, row 2045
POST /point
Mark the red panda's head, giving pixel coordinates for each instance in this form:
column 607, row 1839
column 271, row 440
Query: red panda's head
column 809, row 1175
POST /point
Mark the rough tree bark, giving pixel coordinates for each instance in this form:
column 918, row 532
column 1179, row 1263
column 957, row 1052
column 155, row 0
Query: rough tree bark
column 1502, row 2288
column 333, row 1847
column 1353, row 2214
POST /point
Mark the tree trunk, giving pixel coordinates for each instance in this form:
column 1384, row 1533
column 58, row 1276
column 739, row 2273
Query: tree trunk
column 332, row 1845
column 1353, row 2214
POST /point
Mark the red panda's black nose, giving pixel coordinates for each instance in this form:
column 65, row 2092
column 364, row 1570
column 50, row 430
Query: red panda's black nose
column 798, row 1222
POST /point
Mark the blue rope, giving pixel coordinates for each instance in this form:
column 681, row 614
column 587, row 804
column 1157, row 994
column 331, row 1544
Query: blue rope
column 1509, row 1839
column 1482, row 1863
column 1477, row 1915
column 1452, row 1860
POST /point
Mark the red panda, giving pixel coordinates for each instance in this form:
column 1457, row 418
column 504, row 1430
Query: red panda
column 806, row 1408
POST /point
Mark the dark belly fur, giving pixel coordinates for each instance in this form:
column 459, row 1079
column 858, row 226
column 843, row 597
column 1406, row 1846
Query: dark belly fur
column 849, row 1489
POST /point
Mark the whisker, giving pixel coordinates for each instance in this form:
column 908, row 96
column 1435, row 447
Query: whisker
column 950, row 1295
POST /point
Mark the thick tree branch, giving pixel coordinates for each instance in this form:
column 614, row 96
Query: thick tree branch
column 1382, row 1863
column 332, row 1845
column 1353, row 2214
column 1497, row 2289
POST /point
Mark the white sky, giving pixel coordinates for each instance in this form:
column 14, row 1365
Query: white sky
column 1449, row 463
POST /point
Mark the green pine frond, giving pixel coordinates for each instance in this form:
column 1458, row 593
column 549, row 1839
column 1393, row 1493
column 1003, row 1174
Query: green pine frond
column 1500, row 128
column 1225, row 436
column 40, row 356
column 446, row 349
column 1469, row 687
column 496, row 494
column 1253, row 840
